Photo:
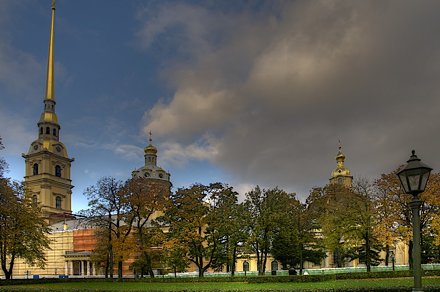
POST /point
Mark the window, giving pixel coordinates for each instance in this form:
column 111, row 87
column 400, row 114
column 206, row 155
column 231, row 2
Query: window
column 34, row 200
column 35, row 169
column 54, row 132
column 41, row 130
column 58, row 171
column 48, row 130
column 58, row 202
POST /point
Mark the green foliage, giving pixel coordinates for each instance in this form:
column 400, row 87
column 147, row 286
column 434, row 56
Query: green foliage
column 198, row 218
column 267, row 211
column 296, row 240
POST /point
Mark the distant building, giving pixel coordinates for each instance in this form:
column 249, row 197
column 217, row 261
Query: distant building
column 151, row 170
column 341, row 174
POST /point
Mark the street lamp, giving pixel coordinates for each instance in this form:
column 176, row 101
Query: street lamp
column 414, row 177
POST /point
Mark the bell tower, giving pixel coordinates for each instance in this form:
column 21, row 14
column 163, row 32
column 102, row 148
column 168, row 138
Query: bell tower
column 341, row 175
column 47, row 178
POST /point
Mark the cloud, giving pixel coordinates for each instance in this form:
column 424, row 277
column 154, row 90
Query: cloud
column 176, row 154
column 15, row 133
column 279, row 90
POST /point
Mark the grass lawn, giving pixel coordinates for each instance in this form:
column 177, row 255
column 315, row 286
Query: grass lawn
column 228, row 286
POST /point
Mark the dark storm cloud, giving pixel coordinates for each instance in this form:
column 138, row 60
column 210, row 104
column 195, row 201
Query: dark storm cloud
column 270, row 95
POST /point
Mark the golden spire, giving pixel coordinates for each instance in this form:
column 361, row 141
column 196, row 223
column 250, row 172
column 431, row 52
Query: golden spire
column 50, row 93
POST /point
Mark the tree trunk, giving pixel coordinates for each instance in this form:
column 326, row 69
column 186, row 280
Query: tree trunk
column 120, row 270
column 234, row 259
column 367, row 253
column 387, row 254
column 301, row 261
column 107, row 265
column 264, row 262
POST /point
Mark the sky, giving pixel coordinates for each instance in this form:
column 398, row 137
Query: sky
column 243, row 92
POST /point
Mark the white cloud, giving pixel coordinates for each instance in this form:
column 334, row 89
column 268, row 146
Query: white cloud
column 178, row 154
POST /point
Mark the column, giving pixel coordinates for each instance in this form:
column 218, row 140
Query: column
column 94, row 268
column 71, row 267
column 82, row 268
column 88, row 268
column 66, row 272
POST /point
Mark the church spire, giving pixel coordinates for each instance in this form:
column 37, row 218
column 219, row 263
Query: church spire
column 50, row 94
column 48, row 123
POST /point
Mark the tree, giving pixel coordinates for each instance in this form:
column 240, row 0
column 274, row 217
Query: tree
column 175, row 255
column 23, row 232
column 267, row 210
column 147, row 199
column 229, row 220
column 109, row 210
column 365, row 220
column 347, row 220
column 3, row 164
column 389, row 186
column 191, row 218
column 297, row 241
column 332, row 208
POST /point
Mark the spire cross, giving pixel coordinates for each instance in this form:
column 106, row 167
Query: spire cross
column 150, row 139
column 53, row 4
column 340, row 145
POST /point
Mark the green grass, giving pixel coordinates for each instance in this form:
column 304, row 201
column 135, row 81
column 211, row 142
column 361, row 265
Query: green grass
column 228, row 286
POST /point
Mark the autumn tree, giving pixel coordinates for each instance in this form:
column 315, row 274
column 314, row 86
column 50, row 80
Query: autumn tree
column 175, row 256
column 147, row 199
column 109, row 209
column 388, row 185
column 23, row 232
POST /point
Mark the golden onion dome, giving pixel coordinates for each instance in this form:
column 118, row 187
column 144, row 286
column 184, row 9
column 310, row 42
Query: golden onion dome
column 150, row 149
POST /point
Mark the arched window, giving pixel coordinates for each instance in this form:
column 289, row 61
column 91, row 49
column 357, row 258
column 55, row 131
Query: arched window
column 41, row 130
column 34, row 200
column 35, row 169
column 48, row 130
column 58, row 170
column 58, row 202
column 54, row 132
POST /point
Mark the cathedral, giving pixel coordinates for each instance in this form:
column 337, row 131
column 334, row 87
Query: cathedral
column 48, row 183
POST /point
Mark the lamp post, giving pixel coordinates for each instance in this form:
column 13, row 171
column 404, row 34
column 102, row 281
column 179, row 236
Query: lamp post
column 414, row 177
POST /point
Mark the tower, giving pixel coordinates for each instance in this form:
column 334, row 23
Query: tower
column 47, row 179
column 341, row 174
column 150, row 170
